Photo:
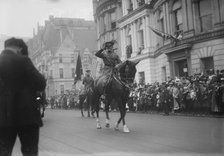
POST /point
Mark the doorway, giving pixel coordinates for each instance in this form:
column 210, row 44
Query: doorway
column 181, row 68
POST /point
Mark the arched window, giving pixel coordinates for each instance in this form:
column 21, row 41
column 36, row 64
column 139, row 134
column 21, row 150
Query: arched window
column 178, row 18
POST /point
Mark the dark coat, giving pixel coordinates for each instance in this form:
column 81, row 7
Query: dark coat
column 21, row 80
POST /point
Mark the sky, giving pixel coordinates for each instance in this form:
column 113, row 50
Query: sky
column 19, row 17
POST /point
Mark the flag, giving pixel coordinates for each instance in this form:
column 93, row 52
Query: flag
column 78, row 72
column 163, row 35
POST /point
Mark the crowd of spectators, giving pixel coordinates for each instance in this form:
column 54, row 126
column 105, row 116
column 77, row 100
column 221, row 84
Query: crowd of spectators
column 198, row 94
column 201, row 93
column 69, row 100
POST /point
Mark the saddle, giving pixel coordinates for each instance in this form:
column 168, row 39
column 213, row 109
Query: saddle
column 104, row 81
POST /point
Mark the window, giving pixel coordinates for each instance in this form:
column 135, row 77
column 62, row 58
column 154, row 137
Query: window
column 140, row 36
column 128, row 42
column 72, row 58
column 113, row 20
column 60, row 58
column 141, row 77
column 161, row 26
column 141, row 39
column 104, row 23
column 141, row 2
column 205, row 15
column 177, row 12
column 221, row 8
column 128, row 50
column 207, row 63
column 73, row 72
column 130, row 6
column 61, row 73
column 163, row 73
column 51, row 74
column 62, row 89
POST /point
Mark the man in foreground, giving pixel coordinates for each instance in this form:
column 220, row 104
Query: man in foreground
column 19, row 112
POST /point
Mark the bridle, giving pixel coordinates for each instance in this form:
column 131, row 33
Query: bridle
column 126, row 81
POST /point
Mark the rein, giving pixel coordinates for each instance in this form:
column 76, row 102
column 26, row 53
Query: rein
column 122, row 82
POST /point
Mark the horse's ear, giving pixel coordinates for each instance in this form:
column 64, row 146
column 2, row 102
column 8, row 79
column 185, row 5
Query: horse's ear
column 136, row 62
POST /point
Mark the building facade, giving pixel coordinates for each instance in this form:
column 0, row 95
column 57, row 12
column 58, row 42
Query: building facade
column 55, row 49
column 196, row 45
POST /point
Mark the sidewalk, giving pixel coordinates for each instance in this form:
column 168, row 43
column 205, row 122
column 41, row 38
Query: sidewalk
column 182, row 114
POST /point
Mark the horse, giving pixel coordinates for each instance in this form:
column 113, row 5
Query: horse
column 119, row 89
column 85, row 97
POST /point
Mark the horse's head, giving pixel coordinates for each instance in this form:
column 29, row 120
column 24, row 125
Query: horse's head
column 127, row 71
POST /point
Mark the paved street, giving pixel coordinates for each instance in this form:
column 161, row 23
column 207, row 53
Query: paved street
column 66, row 133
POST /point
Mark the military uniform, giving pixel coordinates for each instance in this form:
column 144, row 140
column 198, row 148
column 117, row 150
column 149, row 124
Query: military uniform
column 110, row 59
column 88, row 83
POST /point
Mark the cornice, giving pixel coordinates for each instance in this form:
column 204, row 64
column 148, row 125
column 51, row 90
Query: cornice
column 183, row 44
column 106, row 32
column 188, row 42
column 102, row 5
column 134, row 13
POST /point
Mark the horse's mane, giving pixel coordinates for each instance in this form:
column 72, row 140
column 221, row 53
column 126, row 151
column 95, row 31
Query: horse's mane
column 131, row 66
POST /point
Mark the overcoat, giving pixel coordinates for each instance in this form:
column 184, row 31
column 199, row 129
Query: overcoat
column 20, row 81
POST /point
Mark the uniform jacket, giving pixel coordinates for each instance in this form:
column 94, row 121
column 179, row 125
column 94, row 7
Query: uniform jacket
column 88, row 83
column 109, row 59
column 20, row 81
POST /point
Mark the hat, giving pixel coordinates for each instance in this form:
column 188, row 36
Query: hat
column 109, row 43
column 18, row 43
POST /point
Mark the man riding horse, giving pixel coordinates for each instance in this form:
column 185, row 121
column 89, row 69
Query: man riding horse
column 111, row 61
column 85, row 94
column 113, row 83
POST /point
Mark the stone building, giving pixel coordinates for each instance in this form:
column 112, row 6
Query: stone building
column 55, row 48
column 194, row 41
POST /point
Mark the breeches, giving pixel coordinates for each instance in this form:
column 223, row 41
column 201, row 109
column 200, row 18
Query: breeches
column 28, row 136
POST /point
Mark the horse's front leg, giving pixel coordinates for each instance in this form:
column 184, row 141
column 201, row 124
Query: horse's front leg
column 107, row 105
column 97, row 109
column 81, row 100
column 122, row 108
column 88, row 104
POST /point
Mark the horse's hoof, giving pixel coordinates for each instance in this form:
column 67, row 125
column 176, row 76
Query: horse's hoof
column 125, row 129
column 107, row 125
column 116, row 128
column 98, row 126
